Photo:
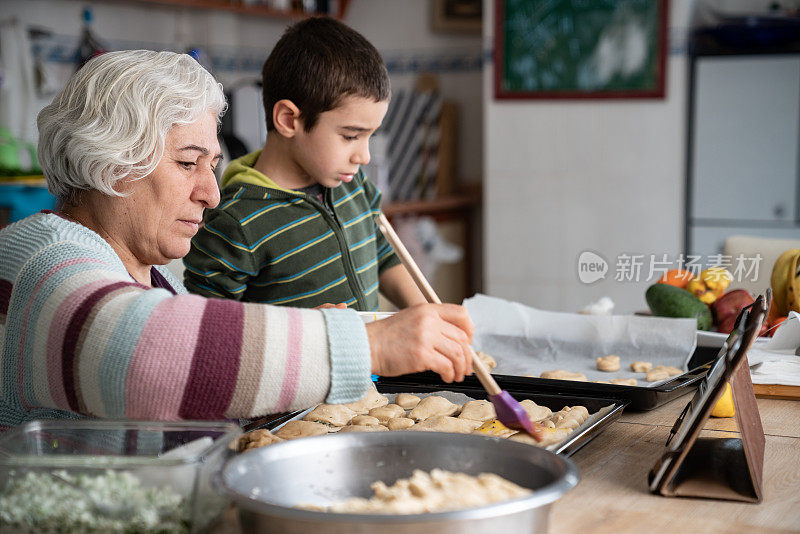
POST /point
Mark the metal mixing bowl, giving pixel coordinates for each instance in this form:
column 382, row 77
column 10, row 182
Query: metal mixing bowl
column 267, row 483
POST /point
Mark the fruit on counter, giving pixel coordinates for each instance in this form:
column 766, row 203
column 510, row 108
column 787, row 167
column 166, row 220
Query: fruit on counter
column 676, row 277
column 711, row 284
column 726, row 308
column 665, row 300
column 724, row 406
column 785, row 283
column 774, row 324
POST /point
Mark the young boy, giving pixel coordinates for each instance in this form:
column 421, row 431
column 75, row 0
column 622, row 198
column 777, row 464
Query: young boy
column 295, row 224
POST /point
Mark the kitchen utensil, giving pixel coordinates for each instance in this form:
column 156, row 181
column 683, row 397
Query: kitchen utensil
column 509, row 411
column 268, row 483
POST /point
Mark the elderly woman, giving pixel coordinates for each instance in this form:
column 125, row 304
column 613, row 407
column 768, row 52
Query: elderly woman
column 95, row 326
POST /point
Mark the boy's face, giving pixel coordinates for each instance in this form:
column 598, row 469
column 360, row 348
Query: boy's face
column 338, row 144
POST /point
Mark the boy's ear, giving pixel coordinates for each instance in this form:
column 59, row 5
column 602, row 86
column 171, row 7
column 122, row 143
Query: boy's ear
column 286, row 117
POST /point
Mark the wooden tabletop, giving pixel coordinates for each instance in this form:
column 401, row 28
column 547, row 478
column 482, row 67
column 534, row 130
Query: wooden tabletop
column 612, row 496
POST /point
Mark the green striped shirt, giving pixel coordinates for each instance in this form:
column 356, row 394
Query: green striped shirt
column 277, row 246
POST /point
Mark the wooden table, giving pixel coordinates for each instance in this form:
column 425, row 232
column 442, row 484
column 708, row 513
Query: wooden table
column 613, row 497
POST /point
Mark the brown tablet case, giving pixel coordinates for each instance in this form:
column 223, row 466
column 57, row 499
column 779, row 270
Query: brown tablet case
column 718, row 467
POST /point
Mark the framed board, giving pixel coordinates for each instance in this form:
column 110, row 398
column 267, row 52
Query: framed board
column 580, row 49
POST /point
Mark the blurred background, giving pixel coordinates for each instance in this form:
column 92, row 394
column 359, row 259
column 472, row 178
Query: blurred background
column 547, row 152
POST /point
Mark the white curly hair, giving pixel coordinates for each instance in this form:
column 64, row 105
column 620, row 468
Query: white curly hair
column 111, row 120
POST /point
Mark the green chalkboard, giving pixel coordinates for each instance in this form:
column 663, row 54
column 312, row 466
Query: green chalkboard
column 580, row 48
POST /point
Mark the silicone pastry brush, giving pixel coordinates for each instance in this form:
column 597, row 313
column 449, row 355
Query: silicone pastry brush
column 509, row 411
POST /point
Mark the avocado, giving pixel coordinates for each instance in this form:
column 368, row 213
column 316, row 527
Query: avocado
column 665, row 300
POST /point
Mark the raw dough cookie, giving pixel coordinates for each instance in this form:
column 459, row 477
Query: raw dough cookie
column 487, row 360
column 371, row 400
column 550, row 436
column 432, row 406
column 535, row 412
column 570, row 417
column 443, row 423
column 494, row 428
column 406, row 401
column 672, row 371
column 364, row 420
column 330, row 414
column 478, row 410
column 608, row 363
column 301, row 429
column 384, row 413
column 561, row 374
column 657, row 374
column 400, row 423
column 257, row 438
column 624, row 381
column 364, row 428
column 641, row 367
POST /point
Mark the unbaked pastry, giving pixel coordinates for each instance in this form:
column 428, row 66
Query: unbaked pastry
column 444, row 423
column 478, row 410
column 550, row 436
column 535, row 412
column 624, row 381
column 400, row 423
column 364, row 428
column 609, row 363
column 301, row 429
column 364, row 420
column 641, row 367
column 330, row 414
column 655, row 375
column 384, row 413
column 257, row 438
column 371, row 400
column 494, row 428
column 561, row 374
column 487, row 360
column 406, row 401
column 570, row 417
column 671, row 371
column 431, row 407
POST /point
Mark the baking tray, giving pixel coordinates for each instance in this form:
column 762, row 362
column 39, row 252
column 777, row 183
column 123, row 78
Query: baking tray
column 637, row 398
column 612, row 408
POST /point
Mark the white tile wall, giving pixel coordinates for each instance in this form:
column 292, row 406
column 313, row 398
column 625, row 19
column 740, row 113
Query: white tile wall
column 562, row 177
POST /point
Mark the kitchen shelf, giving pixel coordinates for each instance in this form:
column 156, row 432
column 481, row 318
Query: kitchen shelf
column 438, row 206
column 239, row 7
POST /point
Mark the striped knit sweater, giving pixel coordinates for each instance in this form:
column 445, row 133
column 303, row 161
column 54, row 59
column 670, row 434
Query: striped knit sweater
column 277, row 246
column 80, row 337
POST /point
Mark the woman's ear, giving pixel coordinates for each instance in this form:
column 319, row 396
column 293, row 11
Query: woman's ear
column 286, row 117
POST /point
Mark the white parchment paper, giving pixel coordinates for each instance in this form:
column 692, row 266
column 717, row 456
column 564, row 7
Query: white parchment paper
column 527, row 341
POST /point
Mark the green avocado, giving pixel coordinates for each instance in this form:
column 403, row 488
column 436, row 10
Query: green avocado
column 665, row 300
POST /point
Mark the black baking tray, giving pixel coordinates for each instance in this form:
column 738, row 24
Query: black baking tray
column 473, row 389
column 638, row 398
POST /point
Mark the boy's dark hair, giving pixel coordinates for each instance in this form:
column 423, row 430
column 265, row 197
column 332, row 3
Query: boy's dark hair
column 316, row 63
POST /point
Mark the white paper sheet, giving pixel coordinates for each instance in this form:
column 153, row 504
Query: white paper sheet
column 528, row 341
column 775, row 361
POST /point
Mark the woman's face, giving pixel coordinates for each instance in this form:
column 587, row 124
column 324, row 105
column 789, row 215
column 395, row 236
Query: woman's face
column 164, row 210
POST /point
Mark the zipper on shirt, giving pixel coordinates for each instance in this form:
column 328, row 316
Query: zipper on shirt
column 338, row 230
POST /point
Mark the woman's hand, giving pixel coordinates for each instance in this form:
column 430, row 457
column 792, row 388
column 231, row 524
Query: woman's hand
column 425, row 337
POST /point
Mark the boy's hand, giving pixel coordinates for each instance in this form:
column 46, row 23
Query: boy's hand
column 328, row 305
column 425, row 337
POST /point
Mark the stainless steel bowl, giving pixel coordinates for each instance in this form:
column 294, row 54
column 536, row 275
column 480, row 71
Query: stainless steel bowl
column 267, row 483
